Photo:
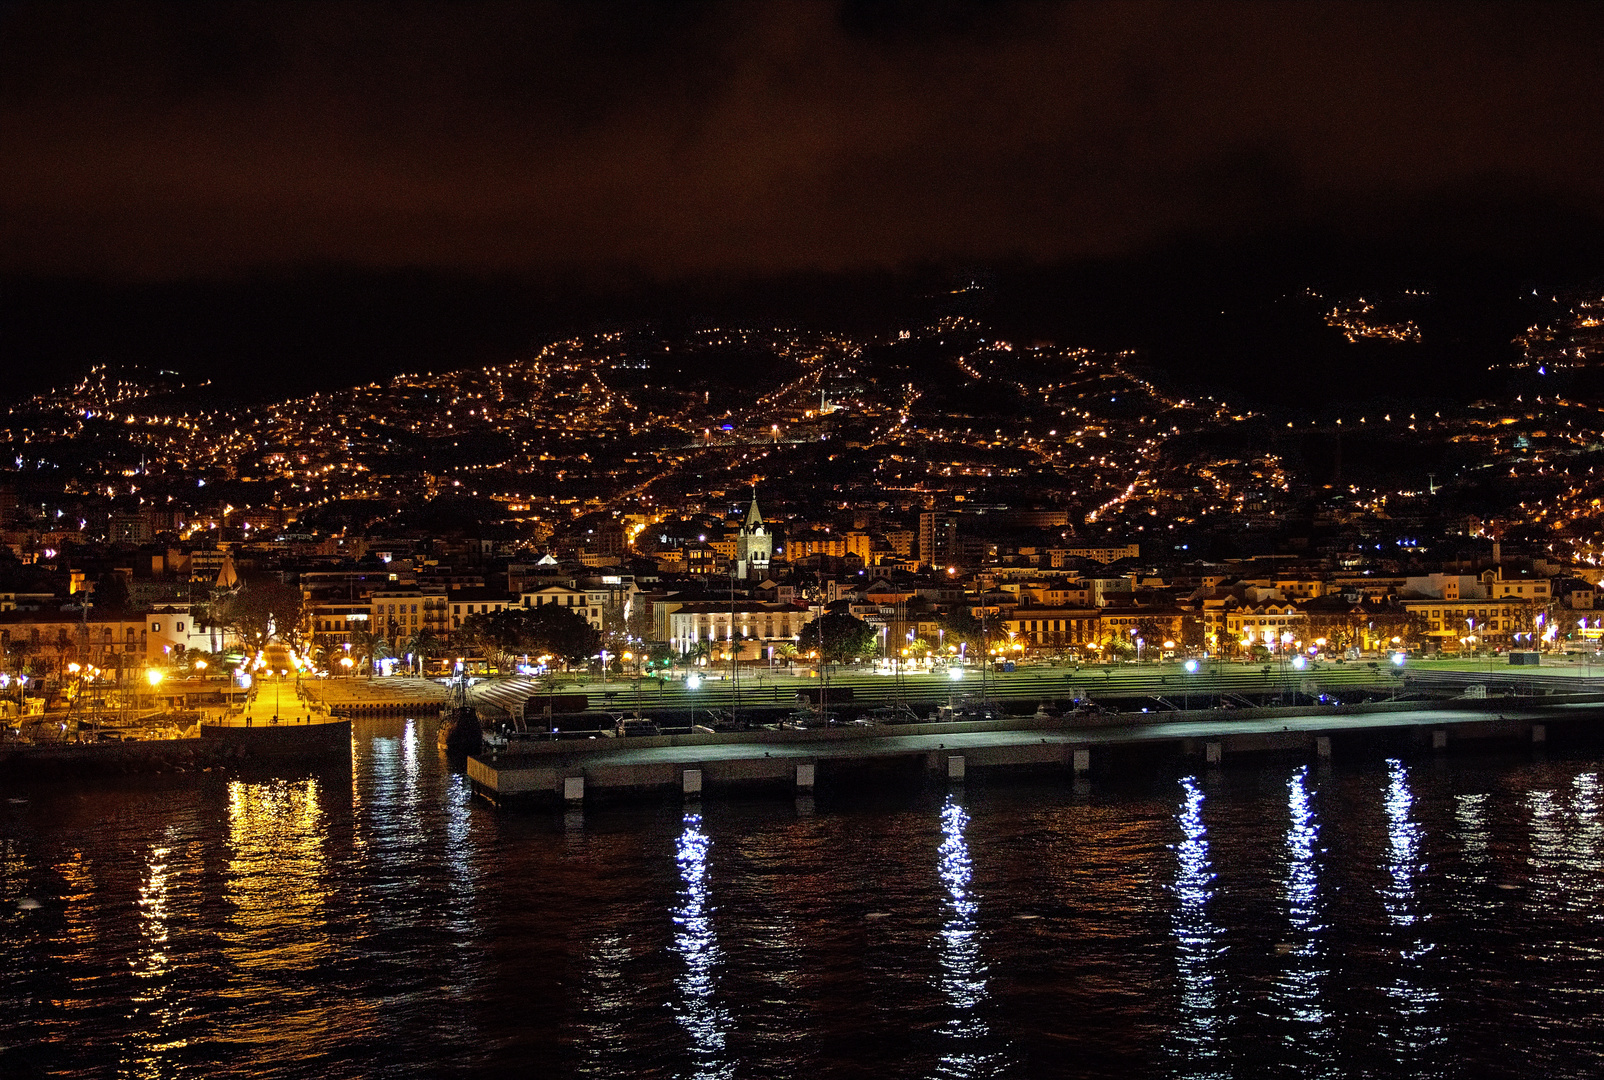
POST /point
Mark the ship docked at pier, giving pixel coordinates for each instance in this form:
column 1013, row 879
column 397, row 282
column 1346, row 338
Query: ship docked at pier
column 460, row 731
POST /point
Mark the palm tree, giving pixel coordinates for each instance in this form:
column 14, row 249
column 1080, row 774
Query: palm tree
column 421, row 644
column 787, row 651
column 362, row 642
column 381, row 650
column 19, row 652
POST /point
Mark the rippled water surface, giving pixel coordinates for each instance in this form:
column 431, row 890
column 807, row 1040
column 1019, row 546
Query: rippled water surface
column 1421, row 917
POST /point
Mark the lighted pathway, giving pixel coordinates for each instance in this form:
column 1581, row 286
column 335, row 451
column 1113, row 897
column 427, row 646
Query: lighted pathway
column 263, row 706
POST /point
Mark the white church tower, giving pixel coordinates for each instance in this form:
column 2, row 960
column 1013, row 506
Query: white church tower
column 754, row 544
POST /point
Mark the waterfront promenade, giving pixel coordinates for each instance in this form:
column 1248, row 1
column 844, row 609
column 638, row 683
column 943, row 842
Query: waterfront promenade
column 1158, row 687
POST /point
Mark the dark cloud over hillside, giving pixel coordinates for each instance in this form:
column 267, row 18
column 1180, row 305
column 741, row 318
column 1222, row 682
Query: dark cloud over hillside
column 673, row 141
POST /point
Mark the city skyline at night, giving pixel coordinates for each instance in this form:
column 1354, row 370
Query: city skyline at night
column 832, row 538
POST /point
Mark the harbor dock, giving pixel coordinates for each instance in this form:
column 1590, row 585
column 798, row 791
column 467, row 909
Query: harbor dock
column 576, row 771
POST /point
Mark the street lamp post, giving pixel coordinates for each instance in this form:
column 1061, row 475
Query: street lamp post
column 1281, row 653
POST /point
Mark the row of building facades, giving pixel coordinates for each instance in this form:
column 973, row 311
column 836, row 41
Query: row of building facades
column 1094, row 602
column 412, row 599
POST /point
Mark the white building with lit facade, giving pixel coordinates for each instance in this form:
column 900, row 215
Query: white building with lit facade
column 751, row 628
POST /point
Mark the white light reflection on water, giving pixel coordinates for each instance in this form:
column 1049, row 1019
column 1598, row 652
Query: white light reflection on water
column 1547, row 847
column 1562, row 911
column 1565, row 857
column 1470, row 821
column 1299, row 989
column 459, row 855
column 610, row 1009
column 963, row 972
column 1467, row 894
column 1587, row 847
column 462, row 916
column 155, row 1002
column 703, row 1019
column 1403, row 847
column 1570, row 851
column 391, row 829
column 1415, row 1032
column 409, row 754
column 1197, row 946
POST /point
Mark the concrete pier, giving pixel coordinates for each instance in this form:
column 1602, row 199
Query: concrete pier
column 796, row 760
column 284, row 740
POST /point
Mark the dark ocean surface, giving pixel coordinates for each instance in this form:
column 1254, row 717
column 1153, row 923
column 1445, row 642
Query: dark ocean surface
column 1393, row 918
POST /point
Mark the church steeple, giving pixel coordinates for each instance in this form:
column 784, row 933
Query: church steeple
column 754, row 546
column 227, row 576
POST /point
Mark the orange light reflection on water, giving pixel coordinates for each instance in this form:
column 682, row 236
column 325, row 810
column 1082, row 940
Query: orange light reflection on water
column 277, row 886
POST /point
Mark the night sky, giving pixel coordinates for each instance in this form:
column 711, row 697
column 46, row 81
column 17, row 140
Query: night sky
column 428, row 184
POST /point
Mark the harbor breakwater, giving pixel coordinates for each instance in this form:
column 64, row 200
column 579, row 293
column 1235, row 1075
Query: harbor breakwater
column 215, row 747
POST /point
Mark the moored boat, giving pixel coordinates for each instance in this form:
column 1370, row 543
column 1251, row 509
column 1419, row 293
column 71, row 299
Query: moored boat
column 460, row 730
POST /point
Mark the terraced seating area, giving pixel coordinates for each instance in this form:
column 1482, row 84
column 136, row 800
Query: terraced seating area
column 397, row 690
column 504, row 694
